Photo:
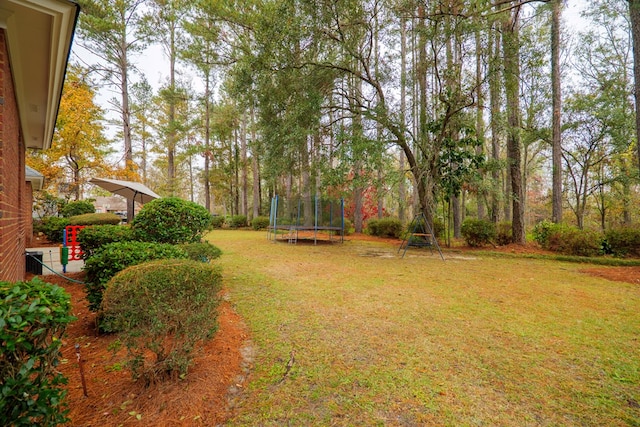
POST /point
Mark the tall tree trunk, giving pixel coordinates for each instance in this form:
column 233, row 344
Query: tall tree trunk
column 556, row 215
column 171, row 137
column 511, row 55
column 402, row 191
column 480, row 199
column 306, row 183
column 634, row 13
column 244, row 167
column 494, row 101
column 207, row 142
column 126, row 122
column 255, row 167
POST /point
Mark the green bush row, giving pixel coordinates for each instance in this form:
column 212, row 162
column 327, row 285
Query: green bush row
column 622, row 241
column 260, row 223
column 94, row 237
column 33, row 318
column 77, row 207
column 53, row 227
column 237, row 221
column 217, row 221
column 166, row 307
column 478, row 232
column 95, row 219
column 111, row 258
column 385, row 227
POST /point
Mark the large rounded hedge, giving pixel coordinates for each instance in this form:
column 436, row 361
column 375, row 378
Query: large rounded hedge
column 163, row 309
column 171, row 220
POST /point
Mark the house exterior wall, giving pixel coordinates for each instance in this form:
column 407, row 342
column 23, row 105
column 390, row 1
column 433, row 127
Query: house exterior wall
column 12, row 177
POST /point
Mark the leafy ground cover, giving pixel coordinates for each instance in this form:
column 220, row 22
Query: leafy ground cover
column 352, row 334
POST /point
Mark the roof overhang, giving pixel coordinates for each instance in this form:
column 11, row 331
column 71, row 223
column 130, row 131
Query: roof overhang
column 34, row 177
column 39, row 35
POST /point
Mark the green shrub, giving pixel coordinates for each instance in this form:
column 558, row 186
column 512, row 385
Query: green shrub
column 238, row 221
column 201, row 251
column 217, row 221
column 542, row 231
column 33, row 318
column 95, row 219
column 167, row 307
column 385, row 227
column 504, row 233
column 114, row 257
column 260, row 222
column 623, row 241
column 96, row 236
column 573, row 241
column 53, row 228
column 171, row 220
column 478, row 232
column 78, row 207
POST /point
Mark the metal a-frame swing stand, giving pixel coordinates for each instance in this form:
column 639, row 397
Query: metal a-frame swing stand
column 421, row 236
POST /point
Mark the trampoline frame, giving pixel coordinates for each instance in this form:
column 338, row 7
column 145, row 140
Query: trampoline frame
column 294, row 229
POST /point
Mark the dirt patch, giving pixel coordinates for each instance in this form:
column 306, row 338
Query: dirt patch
column 205, row 397
column 617, row 274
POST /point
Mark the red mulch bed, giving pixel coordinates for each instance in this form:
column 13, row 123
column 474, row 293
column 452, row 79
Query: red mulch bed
column 204, row 397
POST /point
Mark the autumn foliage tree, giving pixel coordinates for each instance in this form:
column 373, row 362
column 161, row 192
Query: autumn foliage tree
column 79, row 147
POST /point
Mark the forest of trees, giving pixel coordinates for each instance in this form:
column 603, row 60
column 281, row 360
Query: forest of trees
column 492, row 109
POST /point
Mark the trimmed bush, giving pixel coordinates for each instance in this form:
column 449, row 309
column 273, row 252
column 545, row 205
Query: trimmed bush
column 504, row 233
column 542, row 231
column 95, row 219
column 478, row 232
column 93, row 237
column 78, row 207
column 171, row 220
column 238, row 221
column 167, row 308
column 385, row 227
column 573, row 241
column 53, row 228
column 260, row 222
column 201, row 251
column 217, row 221
column 623, row 241
column 114, row 257
column 33, row 318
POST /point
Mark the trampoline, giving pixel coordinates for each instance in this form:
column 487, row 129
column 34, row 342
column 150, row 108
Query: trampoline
column 316, row 219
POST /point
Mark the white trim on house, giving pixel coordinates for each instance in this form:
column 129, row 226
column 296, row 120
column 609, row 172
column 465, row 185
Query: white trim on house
column 39, row 35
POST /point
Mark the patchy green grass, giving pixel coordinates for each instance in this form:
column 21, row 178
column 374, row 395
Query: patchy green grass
column 475, row 340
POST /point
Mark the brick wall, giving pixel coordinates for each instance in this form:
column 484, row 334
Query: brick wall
column 12, row 177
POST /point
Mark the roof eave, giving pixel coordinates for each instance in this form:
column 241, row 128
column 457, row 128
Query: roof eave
column 39, row 35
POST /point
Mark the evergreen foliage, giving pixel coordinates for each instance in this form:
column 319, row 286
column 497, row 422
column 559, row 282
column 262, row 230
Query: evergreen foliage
column 94, row 237
column 166, row 307
column 111, row 258
column 385, row 227
column 33, row 318
column 77, row 207
column 171, row 220
column 95, row 219
column 478, row 232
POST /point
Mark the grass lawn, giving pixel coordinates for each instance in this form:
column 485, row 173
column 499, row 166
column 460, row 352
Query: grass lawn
column 475, row 340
